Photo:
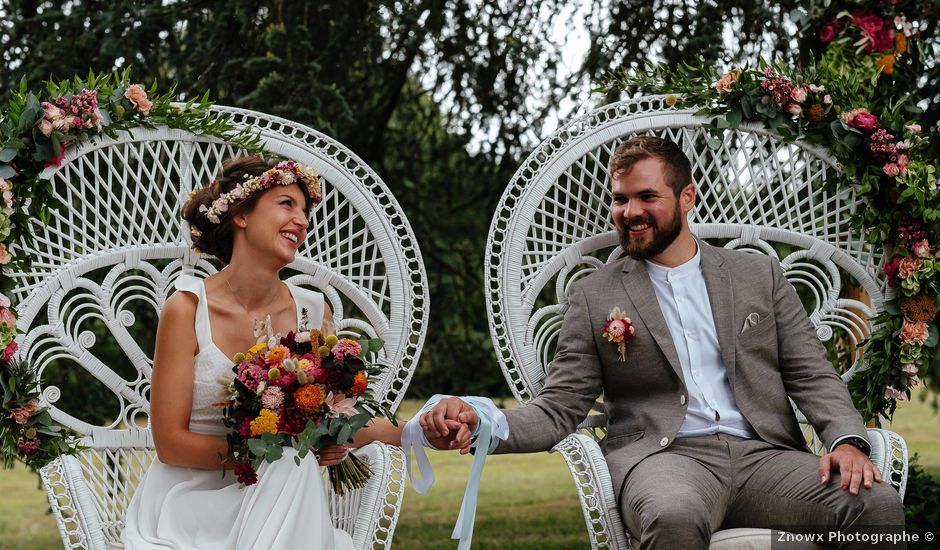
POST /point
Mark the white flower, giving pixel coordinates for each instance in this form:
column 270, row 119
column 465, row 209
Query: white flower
column 339, row 404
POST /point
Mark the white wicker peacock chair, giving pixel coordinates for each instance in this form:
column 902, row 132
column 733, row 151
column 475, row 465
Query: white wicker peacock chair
column 757, row 193
column 107, row 261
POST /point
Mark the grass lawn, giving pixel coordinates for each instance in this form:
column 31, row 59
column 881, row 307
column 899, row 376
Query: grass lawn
column 525, row 502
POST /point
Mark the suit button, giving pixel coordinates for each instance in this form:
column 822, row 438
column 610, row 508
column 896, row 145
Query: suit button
column 663, row 441
column 682, row 400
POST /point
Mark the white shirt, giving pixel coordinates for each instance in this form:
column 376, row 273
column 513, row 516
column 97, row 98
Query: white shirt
column 683, row 299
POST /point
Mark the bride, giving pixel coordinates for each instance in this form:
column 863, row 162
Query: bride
column 254, row 217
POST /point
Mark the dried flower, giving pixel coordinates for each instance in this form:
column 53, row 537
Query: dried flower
column 919, row 308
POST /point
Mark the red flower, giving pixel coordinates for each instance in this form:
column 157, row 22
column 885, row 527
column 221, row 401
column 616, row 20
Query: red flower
column 880, row 35
column 28, row 446
column 244, row 427
column 9, row 351
column 292, row 422
column 829, row 32
column 360, row 383
column 245, row 473
column 891, row 269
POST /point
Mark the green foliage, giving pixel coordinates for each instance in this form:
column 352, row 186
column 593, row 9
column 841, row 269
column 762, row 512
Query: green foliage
column 922, row 510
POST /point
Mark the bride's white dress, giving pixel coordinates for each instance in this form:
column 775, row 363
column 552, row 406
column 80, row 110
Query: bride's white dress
column 187, row 508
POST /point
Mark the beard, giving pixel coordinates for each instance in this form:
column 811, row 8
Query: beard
column 660, row 241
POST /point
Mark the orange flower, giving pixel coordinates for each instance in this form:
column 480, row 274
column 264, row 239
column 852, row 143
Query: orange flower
column 360, row 383
column 310, row 397
column 919, row 308
column 277, row 354
column 886, row 64
column 900, row 43
column 816, row 113
column 21, row 415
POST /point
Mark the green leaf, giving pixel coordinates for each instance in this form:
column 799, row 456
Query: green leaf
column 892, row 307
column 6, row 171
column 345, row 433
column 932, row 336
column 6, row 155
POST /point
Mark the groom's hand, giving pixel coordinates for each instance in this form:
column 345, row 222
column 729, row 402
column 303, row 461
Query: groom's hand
column 854, row 467
column 447, row 415
column 458, row 436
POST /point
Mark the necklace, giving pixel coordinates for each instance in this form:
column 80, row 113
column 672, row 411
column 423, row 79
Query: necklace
column 239, row 302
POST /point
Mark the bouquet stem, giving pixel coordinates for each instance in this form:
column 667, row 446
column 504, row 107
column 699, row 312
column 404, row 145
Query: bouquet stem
column 351, row 473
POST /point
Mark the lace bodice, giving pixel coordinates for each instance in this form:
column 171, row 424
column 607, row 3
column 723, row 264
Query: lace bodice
column 213, row 369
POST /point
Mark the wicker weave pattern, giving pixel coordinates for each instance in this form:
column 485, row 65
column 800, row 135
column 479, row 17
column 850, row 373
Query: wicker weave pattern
column 107, row 262
column 756, row 193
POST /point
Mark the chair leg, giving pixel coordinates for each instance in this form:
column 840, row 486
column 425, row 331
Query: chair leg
column 598, row 501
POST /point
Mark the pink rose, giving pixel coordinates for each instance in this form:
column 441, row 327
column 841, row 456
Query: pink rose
column 21, row 415
column 914, row 333
column 7, row 317
column 913, row 381
column 138, row 97
column 798, row 94
column 891, row 169
column 864, row 121
column 902, row 164
column 4, row 300
column 909, row 266
column 794, row 109
column 909, row 370
column 913, row 128
column 827, row 99
column 726, row 83
column 9, row 351
column 920, row 249
column 5, row 256
column 829, row 32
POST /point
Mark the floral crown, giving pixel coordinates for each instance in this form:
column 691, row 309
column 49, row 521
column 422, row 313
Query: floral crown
column 284, row 173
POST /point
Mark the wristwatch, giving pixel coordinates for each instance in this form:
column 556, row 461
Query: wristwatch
column 859, row 443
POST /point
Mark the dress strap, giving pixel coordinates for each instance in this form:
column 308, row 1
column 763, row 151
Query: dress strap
column 196, row 286
column 309, row 307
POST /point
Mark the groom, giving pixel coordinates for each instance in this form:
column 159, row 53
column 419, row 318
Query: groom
column 701, row 435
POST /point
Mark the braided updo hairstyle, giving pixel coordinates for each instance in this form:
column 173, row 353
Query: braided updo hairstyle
column 218, row 239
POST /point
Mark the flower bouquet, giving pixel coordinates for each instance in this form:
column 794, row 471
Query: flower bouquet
column 307, row 391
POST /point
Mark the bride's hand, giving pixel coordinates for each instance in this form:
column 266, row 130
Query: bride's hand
column 330, row 455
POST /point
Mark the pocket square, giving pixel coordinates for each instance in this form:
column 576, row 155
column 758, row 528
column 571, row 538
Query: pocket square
column 751, row 320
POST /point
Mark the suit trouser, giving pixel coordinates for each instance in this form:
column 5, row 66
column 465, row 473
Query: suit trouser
column 677, row 498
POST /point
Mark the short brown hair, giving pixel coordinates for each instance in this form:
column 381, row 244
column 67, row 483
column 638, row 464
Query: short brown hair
column 218, row 239
column 678, row 168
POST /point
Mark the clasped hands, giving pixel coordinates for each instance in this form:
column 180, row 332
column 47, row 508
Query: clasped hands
column 450, row 424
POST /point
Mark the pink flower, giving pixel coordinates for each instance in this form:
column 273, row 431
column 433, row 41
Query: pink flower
column 7, row 317
column 339, row 404
column 921, row 249
column 272, row 398
column 9, row 351
column 827, row 99
column 798, row 94
column 909, row 266
column 860, row 118
column 794, row 109
column 913, row 381
column 913, row 128
column 726, row 83
column 829, row 32
column 21, row 415
column 891, row 393
column 45, row 127
column 245, row 473
column 909, row 370
column 28, row 446
column 319, row 375
column 914, row 332
column 615, row 328
column 138, row 97
column 251, row 375
column 4, row 300
column 891, row 270
column 880, row 36
column 345, row 348
column 285, row 380
column 5, row 256
column 891, row 169
column 902, row 163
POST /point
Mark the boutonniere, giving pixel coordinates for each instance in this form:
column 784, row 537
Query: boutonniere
column 619, row 330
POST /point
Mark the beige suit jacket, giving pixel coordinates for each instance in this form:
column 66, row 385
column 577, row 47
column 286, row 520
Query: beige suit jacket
column 646, row 396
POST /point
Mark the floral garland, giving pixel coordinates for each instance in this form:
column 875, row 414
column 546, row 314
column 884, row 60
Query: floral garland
column 35, row 132
column 841, row 103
